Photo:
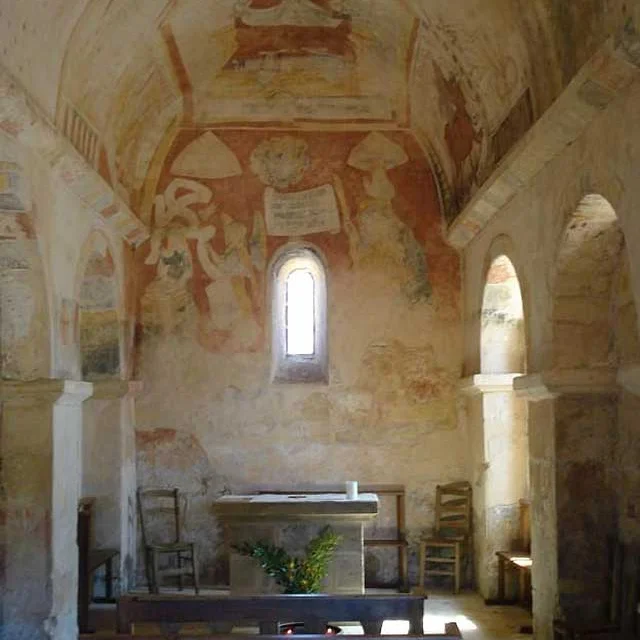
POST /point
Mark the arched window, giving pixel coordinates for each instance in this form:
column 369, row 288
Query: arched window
column 299, row 332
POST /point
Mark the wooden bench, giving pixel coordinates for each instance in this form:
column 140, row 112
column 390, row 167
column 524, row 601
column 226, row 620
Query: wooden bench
column 268, row 611
column 397, row 541
column 518, row 561
column 451, row 631
column 89, row 560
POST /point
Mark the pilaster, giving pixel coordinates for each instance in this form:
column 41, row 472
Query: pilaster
column 40, row 479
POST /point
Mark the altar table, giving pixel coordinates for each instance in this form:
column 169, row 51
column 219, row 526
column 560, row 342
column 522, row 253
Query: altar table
column 291, row 521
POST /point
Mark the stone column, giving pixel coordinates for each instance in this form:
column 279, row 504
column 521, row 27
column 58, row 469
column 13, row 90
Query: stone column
column 40, row 447
column 497, row 433
column 572, row 432
column 109, row 474
column 128, row 486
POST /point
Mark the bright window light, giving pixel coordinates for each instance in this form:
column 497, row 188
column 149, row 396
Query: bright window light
column 300, row 301
column 435, row 623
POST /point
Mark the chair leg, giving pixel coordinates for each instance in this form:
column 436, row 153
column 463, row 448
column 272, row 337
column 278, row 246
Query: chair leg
column 180, row 577
column 194, row 568
column 423, row 560
column 457, row 566
column 155, row 572
column 148, row 566
column 108, row 580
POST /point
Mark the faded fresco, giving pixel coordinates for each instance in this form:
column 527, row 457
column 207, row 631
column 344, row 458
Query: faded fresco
column 227, row 200
column 463, row 109
column 289, row 60
column 465, row 94
column 24, row 328
column 97, row 313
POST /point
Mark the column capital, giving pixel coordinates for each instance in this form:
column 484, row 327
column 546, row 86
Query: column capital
column 547, row 385
column 629, row 378
column 68, row 392
column 110, row 389
column 487, row 383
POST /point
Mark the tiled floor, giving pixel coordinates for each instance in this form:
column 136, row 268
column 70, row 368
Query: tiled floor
column 475, row 620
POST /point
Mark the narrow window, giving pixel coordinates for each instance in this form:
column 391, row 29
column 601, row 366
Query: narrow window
column 300, row 313
column 299, row 317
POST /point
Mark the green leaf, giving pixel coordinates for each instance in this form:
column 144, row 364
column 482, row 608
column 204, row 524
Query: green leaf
column 295, row 575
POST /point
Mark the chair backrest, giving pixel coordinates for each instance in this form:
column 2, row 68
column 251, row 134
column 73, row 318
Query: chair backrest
column 453, row 510
column 159, row 511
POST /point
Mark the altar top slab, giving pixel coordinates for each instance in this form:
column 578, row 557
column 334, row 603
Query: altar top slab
column 321, row 505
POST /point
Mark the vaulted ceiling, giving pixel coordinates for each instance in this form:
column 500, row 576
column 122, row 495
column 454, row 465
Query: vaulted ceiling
column 120, row 78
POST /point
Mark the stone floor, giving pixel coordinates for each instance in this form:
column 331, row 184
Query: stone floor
column 475, row 620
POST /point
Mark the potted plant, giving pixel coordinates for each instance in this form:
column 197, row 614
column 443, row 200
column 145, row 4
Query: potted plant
column 296, row 574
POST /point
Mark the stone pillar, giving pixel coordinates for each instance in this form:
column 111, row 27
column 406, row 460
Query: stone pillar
column 128, row 486
column 40, row 447
column 500, row 479
column 109, row 473
column 572, row 433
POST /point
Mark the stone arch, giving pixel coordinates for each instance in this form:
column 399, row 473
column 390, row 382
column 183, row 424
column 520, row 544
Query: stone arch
column 503, row 469
column 99, row 310
column 502, row 333
column 298, row 368
column 594, row 337
column 108, row 448
column 590, row 253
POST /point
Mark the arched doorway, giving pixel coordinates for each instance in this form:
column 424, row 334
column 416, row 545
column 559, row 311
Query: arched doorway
column 502, row 336
column 595, row 347
column 99, row 339
column 504, row 480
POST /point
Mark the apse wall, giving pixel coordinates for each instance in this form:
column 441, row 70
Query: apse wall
column 210, row 419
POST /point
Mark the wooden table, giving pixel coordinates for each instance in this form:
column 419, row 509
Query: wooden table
column 519, row 561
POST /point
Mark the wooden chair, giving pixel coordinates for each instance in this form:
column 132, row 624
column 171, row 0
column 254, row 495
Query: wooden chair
column 160, row 509
column 518, row 559
column 445, row 553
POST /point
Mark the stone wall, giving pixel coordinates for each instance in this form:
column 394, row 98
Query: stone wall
column 43, row 229
column 571, row 447
column 210, row 419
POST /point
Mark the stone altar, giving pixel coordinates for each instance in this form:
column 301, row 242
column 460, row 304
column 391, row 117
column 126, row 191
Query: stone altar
column 291, row 521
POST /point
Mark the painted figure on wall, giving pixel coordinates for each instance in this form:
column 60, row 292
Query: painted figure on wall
column 167, row 301
column 380, row 238
column 462, row 137
column 234, row 292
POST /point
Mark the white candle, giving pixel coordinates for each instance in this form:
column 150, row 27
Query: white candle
column 352, row 489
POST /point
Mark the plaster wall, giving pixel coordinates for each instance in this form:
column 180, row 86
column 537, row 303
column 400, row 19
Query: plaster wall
column 43, row 230
column 210, row 419
column 603, row 160
column 101, row 468
column 27, row 510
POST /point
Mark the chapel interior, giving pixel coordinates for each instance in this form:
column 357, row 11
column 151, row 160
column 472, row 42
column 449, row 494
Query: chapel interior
column 459, row 181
